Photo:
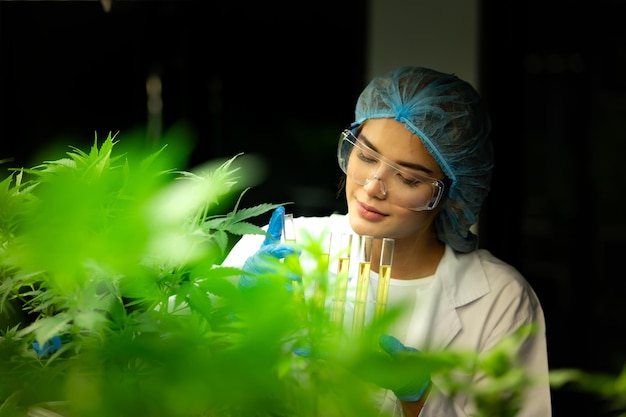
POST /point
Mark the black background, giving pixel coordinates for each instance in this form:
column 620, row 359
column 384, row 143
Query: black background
column 283, row 80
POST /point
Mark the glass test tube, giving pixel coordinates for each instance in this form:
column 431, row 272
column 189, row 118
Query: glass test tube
column 384, row 275
column 321, row 284
column 289, row 236
column 365, row 264
column 289, row 229
column 341, row 284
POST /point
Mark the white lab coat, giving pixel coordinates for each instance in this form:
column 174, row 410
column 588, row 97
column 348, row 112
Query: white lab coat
column 481, row 300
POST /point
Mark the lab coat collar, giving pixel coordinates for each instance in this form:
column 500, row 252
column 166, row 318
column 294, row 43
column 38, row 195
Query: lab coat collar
column 462, row 277
column 459, row 280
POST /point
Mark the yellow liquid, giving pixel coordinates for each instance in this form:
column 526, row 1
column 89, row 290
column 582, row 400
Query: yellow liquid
column 292, row 262
column 361, row 297
column 340, row 291
column 321, row 284
column 384, row 276
column 324, row 259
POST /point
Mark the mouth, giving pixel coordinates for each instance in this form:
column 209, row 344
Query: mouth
column 369, row 212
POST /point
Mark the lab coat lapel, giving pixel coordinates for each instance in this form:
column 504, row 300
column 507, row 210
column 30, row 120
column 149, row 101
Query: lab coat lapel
column 459, row 280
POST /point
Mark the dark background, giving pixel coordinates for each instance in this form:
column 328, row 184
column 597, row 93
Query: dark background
column 246, row 76
column 259, row 78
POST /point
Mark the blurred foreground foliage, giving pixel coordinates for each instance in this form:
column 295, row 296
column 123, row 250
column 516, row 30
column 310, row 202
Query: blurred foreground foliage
column 117, row 256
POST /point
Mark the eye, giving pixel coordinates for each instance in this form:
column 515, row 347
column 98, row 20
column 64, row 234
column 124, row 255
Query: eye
column 366, row 157
column 407, row 179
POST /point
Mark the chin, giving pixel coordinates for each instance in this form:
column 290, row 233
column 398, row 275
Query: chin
column 364, row 227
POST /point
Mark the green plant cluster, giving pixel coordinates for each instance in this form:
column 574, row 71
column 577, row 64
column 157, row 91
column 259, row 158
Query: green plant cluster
column 117, row 258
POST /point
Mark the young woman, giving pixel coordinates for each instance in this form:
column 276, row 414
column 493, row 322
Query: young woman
column 418, row 165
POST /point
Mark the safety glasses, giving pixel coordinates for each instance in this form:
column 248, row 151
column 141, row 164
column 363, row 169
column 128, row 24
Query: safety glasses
column 398, row 185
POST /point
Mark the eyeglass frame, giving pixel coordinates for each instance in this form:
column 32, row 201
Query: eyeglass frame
column 440, row 186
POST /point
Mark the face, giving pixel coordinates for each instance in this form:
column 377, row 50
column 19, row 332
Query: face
column 369, row 209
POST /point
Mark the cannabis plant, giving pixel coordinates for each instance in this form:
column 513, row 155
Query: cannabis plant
column 114, row 302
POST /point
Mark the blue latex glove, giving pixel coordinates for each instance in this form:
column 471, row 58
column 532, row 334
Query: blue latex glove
column 409, row 390
column 271, row 250
column 47, row 348
column 397, row 368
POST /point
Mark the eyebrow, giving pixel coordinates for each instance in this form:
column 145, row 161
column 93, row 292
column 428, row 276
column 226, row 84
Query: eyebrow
column 410, row 165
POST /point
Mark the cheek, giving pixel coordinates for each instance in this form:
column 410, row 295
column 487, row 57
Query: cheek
column 349, row 187
column 409, row 224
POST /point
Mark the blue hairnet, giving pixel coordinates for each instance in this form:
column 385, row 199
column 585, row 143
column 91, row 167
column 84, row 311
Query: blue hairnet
column 447, row 114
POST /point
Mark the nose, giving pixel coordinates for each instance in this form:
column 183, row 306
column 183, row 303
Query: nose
column 375, row 185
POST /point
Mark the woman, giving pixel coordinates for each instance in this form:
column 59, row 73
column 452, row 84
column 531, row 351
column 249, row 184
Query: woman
column 418, row 165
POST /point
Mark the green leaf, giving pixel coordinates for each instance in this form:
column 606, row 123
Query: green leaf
column 247, row 213
column 47, row 327
column 244, row 228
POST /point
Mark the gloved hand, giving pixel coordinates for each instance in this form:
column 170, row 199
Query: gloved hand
column 413, row 387
column 49, row 347
column 265, row 260
column 401, row 369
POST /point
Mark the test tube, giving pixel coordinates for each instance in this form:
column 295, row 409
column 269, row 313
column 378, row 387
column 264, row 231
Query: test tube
column 341, row 284
column 365, row 264
column 321, row 284
column 289, row 229
column 384, row 276
column 291, row 261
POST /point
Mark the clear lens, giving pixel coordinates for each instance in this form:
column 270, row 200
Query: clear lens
column 400, row 187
